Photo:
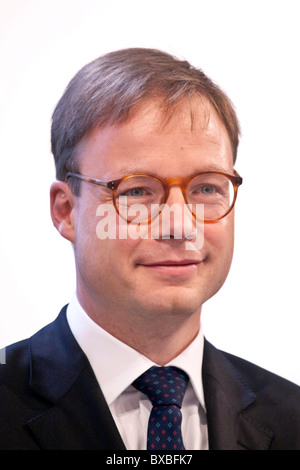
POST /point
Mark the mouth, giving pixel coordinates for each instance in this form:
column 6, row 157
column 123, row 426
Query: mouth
column 173, row 268
column 173, row 262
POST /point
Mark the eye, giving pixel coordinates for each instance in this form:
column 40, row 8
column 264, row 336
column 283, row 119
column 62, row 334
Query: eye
column 140, row 189
column 207, row 189
column 135, row 192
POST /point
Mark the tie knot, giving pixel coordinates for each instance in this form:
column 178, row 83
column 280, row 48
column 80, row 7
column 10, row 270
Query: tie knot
column 163, row 385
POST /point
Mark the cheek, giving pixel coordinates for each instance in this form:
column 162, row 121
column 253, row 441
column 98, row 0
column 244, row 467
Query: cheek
column 102, row 252
column 219, row 238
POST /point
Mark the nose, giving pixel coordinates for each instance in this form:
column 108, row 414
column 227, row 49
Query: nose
column 176, row 219
column 175, row 195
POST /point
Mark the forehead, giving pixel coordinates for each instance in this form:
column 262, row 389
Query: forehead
column 189, row 134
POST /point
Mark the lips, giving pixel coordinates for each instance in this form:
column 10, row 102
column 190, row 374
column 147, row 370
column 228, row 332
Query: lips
column 184, row 262
column 173, row 268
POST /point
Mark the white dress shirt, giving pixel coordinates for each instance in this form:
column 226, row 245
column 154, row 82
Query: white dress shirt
column 116, row 365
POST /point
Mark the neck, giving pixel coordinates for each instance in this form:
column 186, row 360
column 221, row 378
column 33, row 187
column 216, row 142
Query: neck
column 160, row 340
column 161, row 343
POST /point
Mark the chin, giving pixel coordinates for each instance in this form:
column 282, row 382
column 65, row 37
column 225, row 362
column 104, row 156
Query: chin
column 173, row 302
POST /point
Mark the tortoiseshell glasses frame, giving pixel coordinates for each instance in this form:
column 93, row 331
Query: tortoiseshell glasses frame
column 160, row 189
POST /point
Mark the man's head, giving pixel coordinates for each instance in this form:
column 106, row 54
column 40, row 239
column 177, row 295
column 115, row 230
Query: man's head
column 142, row 112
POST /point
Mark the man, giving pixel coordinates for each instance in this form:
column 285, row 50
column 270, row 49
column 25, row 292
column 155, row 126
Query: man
column 138, row 132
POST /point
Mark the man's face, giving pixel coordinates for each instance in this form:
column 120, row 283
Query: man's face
column 151, row 279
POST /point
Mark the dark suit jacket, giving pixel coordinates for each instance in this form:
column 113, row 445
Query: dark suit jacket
column 50, row 399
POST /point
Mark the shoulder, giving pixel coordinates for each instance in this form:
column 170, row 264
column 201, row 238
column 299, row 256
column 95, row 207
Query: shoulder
column 16, row 371
column 36, row 373
column 276, row 398
column 233, row 373
column 255, row 394
column 263, row 381
column 258, row 379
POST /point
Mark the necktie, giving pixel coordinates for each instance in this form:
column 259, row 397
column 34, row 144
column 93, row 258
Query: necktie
column 165, row 387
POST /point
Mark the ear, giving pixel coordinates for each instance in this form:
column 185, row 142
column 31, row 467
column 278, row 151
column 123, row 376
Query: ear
column 62, row 203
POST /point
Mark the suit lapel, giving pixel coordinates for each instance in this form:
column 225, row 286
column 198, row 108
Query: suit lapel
column 228, row 400
column 77, row 410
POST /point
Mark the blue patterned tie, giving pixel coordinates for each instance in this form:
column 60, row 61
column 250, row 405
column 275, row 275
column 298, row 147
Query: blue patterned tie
column 165, row 388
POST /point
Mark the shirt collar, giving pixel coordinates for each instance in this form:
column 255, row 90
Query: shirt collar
column 116, row 365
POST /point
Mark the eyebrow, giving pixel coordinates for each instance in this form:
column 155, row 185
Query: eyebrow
column 124, row 171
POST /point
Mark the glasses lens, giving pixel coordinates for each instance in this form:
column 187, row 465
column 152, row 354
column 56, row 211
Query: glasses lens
column 138, row 198
column 213, row 193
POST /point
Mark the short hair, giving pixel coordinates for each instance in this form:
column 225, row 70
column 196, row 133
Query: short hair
column 106, row 90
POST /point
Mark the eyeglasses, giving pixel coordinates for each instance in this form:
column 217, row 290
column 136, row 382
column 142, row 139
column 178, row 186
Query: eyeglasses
column 215, row 191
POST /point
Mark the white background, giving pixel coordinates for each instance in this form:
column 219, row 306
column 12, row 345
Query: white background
column 251, row 48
